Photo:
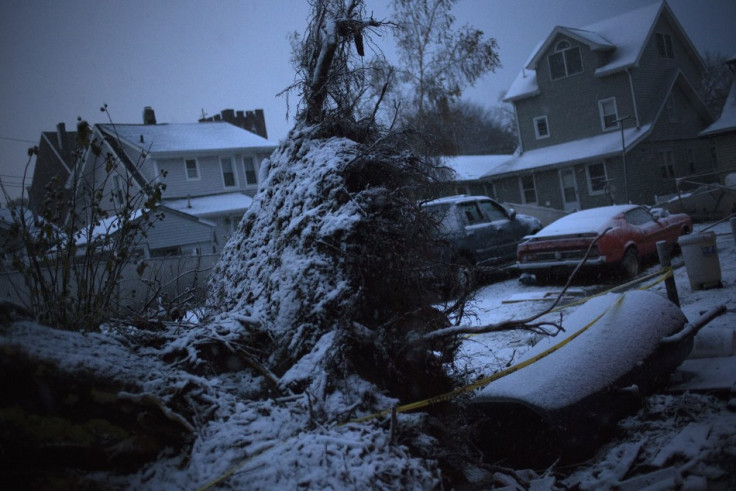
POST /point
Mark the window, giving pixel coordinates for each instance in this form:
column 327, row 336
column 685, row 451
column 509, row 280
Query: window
column 666, row 164
column 192, row 170
column 471, row 212
column 671, row 109
column 565, row 61
column 528, row 189
column 541, row 127
column 493, row 211
column 118, row 190
column 250, row 171
column 638, row 216
column 691, row 160
column 713, row 158
column 228, row 172
column 609, row 114
column 597, row 178
column 664, row 46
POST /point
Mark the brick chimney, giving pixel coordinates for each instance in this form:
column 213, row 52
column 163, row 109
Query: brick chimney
column 61, row 135
column 149, row 116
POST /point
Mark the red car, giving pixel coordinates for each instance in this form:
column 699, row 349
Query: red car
column 631, row 233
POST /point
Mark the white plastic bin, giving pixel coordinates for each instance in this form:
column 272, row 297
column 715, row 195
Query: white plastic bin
column 701, row 260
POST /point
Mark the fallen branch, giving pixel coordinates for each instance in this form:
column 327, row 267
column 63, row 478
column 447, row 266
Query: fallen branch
column 514, row 323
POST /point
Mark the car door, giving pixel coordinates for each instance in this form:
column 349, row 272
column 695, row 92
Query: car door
column 490, row 231
column 647, row 230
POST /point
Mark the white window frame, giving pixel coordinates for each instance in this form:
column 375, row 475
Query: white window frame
column 536, row 127
column 196, row 169
column 601, row 111
column 591, row 191
column 522, row 189
column 232, row 168
column 562, row 48
column 252, row 161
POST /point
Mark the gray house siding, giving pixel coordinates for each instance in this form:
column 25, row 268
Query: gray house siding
column 177, row 230
column 654, row 71
column 210, row 176
column 571, row 103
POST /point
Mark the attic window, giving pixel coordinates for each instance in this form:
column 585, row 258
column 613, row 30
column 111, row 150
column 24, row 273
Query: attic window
column 541, row 127
column 664, row 46
column 565, row 61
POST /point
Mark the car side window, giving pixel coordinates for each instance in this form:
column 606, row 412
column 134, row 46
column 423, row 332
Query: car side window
column 639, row 216
column 493, row 211
column 471, row 212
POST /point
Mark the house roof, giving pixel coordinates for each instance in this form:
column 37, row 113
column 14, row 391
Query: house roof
column 187, row 137
column 625, row 35
column 218, row 204
column 596, row 147
column 727, row 120
column 473, row 167
column 603, row 145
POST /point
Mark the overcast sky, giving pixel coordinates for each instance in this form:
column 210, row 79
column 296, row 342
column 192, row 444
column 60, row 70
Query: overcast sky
column 64, row 59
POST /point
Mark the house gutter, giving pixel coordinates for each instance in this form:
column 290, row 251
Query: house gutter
column 518, row 129
column 633, row 97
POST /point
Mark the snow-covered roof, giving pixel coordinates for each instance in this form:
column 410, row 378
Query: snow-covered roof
column 625, row 35
column 599, row 146
column 204, row 206
column 473, row 167
column 727, row 120
column 187, row 137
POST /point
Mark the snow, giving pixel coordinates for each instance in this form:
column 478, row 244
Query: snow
column 186, row 137
column 629, row 43
column 592, row 220
column 278, row 444
column 203, row 206
column 473, row 167
column 727, row 120
column 628, row 329
column 599, row 146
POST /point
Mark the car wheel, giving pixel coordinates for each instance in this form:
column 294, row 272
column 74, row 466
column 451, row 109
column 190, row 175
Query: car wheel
column 630, row 263
column 462, row 279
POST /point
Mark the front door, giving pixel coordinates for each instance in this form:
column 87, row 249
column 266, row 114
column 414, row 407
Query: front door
column 569, row 188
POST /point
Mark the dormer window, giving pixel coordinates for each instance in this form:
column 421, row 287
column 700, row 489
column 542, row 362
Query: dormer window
column 664, row 46
column 565, row 61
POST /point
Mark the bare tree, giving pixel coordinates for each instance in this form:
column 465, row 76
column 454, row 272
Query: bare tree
column 716, row 81
column 437, row 62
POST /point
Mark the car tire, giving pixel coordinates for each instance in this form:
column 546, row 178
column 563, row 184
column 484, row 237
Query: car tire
column 462, row 279
column 630, row 263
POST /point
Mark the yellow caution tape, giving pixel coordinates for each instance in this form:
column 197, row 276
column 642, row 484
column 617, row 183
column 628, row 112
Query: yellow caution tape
column 486, row 380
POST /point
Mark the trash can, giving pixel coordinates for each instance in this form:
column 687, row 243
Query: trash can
column 701, row 260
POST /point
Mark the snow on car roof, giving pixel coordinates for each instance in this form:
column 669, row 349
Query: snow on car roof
column 591, row 220
column 460, row 198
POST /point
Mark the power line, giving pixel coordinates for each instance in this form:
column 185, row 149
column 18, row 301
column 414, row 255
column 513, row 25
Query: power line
column 17, row 139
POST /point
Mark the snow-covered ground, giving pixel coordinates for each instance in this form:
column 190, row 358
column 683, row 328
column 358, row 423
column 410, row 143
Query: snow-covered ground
column 681, row 437
column 678, row 438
